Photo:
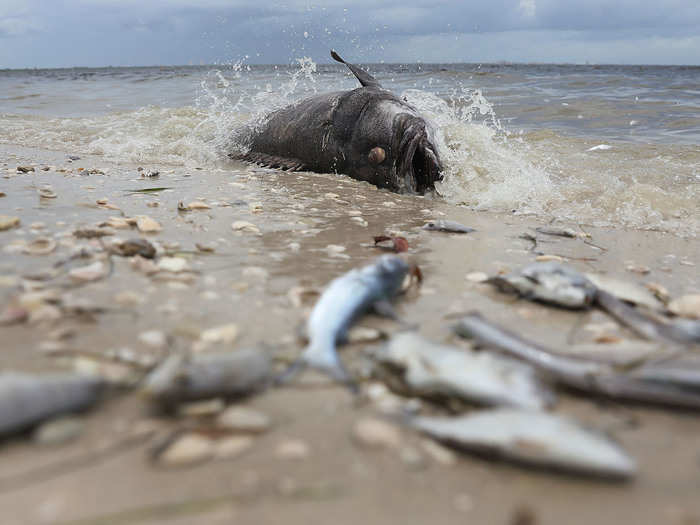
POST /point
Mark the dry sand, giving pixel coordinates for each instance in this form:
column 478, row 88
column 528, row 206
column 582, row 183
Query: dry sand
column 246, row 281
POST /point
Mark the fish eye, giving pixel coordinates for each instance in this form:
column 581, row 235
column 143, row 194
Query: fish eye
column 376, row 155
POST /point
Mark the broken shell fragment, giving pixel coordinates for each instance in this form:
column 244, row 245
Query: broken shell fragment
column 244, row 226
column 220, row 334
column 132, row 247
column 40, row 246
column 145, row 224
column 7, row 222
column 686, row 306
column 173, row 264
column 91, row 272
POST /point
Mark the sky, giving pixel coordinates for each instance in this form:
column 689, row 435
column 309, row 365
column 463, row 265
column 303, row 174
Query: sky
column 67, row 33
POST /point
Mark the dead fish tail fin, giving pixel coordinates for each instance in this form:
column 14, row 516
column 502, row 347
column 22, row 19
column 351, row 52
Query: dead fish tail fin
column 323, row 358
column 365, row 78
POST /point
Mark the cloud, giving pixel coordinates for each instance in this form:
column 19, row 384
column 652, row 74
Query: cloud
column 124, row 32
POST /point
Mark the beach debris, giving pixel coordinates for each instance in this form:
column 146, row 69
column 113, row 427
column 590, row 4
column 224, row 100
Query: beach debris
column 635, row 268
column 131, row 247
column 532, row 438
column 686, row 306
column 659, row 291
column 146, row 224
column 13, row 315
column 594, row 377
column 600, row 147
column 118, row 223
column 376, row 433
column 245, row 226
column 626, row 291
column 92, row 233
column 243, row 419
column 25, row 169
column 91, row 272
column 186, row 449
column 292, row 449
column 398, row 244
column 154, row 339
column 189, row 378
column 560, row 232
column 173, row 264
column 682, row 331
column 429, row 369
column 150, row 190
column 58, row 431
column 344, row 300
column 7, row 222
column 205, row 248
column 226, row 333
column 477, row 277
column 194, row 205
column 27, row 399
column 232, row 446
column 443, row 225
column 46, row 193
column 438, row 453
column 40, row 246
column 549, row 282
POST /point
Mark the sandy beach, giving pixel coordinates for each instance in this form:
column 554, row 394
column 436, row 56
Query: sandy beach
column 302, row 230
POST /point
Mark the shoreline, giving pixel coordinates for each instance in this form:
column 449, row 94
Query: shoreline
column 312, row 228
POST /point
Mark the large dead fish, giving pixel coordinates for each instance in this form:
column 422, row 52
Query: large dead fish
column 28, row 399
column 367, row 133
column 428, row 369
column 588, row 376
column 344, row 300
column 189, row 378
column 533, row 438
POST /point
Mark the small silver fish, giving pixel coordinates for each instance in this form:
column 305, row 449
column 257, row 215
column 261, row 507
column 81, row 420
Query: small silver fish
column 549, row 282
column 441, row 225
column 28, row 399
column 561, row 285
column 533, row 438
column 344, row 300
column 427, row 368
column 654, row 385
column 189, row 378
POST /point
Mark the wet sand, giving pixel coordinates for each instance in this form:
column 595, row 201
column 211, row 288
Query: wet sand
column 246, row 281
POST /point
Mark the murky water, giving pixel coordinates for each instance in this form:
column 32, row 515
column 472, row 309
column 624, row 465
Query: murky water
column 515, row 138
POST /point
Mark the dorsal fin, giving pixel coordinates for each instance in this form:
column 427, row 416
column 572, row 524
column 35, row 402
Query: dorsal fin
column 365, row 78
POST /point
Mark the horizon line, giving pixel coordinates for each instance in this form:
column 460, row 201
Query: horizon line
column 291, row 64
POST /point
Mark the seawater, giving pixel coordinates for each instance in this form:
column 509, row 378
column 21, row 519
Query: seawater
column 604, row 145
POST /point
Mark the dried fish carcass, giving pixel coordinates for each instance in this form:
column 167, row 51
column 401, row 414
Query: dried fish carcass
column 533, row 438
column 549, row 282
column 28, row 399
column 429, row 369
column 584, row 375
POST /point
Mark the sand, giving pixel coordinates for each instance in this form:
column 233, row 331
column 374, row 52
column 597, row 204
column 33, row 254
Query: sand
column 311, row 228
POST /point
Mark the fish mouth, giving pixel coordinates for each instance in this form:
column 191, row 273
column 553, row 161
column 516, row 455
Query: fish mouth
column 418, row 165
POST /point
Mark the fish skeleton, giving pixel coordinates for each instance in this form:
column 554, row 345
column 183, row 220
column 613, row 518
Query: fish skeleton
column 342, row 302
